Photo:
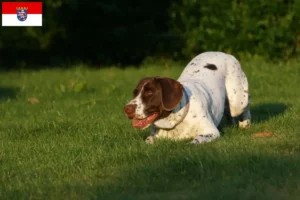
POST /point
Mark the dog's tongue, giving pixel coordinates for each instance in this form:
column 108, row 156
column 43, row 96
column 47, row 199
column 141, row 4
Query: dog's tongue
column 141, row 123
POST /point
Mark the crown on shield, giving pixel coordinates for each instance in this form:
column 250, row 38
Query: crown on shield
column 21, row 8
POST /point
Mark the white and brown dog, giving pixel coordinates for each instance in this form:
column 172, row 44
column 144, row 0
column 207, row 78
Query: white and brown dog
column 212, row 84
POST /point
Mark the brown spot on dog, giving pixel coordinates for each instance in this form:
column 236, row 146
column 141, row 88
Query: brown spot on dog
column 211, row 66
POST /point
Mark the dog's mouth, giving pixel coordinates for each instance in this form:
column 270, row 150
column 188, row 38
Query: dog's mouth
column 143, row 123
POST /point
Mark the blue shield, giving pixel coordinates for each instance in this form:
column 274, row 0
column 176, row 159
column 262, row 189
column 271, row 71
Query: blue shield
column 22, row 15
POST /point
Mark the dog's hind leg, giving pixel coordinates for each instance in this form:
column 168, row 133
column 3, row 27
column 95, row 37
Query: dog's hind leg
column 243, row 120
column 236, row 85
column 227, row 114
column 237, row 93
column 245, row 117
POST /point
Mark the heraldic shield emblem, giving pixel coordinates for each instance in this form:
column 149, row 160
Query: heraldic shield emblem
column 22, row 13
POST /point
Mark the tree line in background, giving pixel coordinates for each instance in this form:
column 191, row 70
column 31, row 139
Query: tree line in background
column 124, row 32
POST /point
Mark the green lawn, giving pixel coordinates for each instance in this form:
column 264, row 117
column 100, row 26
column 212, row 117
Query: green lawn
column 76, row 142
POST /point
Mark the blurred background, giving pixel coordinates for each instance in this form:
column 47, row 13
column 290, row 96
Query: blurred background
column 128, row 32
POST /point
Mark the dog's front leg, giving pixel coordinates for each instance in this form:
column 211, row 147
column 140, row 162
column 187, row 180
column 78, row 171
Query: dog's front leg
column 207, row 134
column 158, row 133
column 204, row 138
column 150, row 139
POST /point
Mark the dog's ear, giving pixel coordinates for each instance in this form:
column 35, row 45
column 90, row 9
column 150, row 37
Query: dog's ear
column 171, row 93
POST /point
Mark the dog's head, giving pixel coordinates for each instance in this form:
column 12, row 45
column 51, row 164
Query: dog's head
column 153, row 98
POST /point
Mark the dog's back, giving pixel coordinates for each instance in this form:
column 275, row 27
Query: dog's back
column 216, row 71
column 206, row 67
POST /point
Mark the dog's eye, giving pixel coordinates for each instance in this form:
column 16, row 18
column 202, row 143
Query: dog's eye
column 149, row 93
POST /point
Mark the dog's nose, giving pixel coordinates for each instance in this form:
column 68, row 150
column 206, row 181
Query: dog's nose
column 130, row 110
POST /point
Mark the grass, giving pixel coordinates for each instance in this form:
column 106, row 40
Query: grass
column 74, row 142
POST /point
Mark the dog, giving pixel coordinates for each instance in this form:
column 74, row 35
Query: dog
column 212, row 84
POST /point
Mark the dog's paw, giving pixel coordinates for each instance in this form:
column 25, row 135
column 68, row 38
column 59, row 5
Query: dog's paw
column 149, row 140
column 200, row 139
column 244, row 124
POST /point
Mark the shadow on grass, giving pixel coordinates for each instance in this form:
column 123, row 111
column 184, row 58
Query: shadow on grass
column 8, row 93
column 209, row 174
column 263, row 112
column 259, row 113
